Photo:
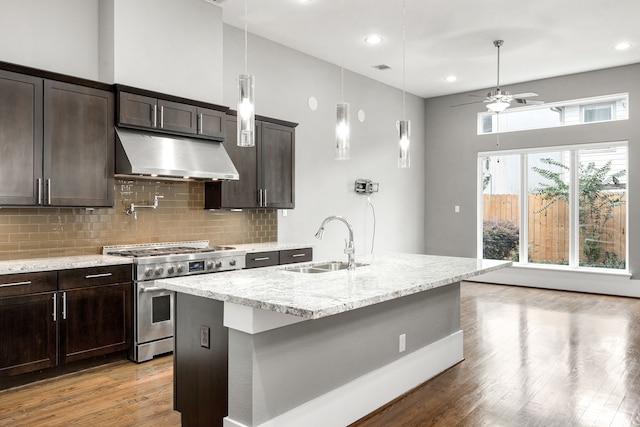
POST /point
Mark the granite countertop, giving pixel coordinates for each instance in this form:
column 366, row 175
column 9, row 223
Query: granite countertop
column 312, row 296
column 59, row 263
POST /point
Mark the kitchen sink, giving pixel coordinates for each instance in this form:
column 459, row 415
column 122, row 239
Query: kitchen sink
column 321, row 267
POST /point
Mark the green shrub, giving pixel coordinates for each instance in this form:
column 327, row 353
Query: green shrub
column 499, row 239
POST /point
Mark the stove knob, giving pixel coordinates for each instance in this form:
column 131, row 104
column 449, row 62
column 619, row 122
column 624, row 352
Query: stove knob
column 209, row 265
column 171, row 269
column 148, row 271
column 180, row 268
column 232, row 262
column 218, row 264
column 159, row 271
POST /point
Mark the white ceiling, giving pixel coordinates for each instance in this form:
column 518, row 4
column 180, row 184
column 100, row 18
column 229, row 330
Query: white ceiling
column 543, row 38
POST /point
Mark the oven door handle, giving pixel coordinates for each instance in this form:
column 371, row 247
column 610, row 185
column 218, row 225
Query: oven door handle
column 152, row 289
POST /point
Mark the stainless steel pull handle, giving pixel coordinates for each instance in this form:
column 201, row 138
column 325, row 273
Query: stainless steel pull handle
column 200, row 125
column 154, row 115
column 260, row 197
column 39, row 183
column 95, row 276
column 6, row 285
column 264, row 258
column 48, row 200
column 151, row 289
column 297, row 255
column 162, row 116
column 265, row 198
column 55, row 307
column 64, row 306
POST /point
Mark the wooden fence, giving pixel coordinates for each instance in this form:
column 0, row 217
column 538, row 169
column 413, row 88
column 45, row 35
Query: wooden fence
column 549, row 229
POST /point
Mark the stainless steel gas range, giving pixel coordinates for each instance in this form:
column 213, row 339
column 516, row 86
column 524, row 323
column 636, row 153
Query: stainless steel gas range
column 153, row 306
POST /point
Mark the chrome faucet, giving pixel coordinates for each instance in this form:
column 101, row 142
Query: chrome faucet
column 349, row 248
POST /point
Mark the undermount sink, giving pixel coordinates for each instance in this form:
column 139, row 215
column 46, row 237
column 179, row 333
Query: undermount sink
column 321, row 267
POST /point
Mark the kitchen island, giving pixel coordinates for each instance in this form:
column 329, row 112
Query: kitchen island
column 319, row 349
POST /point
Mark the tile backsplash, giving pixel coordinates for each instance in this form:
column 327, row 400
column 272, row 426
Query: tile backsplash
column 47, row 232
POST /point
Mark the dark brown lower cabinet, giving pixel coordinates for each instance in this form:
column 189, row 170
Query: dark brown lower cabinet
column 95, row 321
column 28, row 333
column 200, row 358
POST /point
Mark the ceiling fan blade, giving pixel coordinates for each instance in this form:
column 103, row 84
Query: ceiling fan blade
column 524, row 95
column 466, row 103
column 527, row 101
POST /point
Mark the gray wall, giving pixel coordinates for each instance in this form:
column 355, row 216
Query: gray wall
column 285, row 79
column 452, row 146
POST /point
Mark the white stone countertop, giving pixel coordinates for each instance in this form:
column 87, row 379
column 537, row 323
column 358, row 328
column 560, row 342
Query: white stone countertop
column 271, row 246
column 59, row 263
column 312, row 296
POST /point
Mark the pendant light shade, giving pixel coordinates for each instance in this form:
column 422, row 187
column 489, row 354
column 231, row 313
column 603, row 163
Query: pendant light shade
column 246, row 99
column 404, row 143
column 342, row 131
column 246, row 113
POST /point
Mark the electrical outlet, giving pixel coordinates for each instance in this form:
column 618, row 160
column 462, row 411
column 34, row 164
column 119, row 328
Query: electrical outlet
column 402, row 343
column 456, row 209
column 205, row 334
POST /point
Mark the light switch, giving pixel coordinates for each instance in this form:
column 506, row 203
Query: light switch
column 456, row 209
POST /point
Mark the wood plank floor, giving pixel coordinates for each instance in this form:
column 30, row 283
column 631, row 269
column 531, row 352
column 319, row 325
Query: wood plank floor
column 532, row 358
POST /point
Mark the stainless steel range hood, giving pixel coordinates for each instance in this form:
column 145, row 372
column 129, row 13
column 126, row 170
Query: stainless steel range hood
column 147, row 154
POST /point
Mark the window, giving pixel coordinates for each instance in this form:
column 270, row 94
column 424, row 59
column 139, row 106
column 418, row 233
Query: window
column 565, row 113
column 560, row 207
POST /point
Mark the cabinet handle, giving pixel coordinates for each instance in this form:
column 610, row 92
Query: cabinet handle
column 264, row 258
column 200, row 118
column 297, row 255
column 64, row 306
column 95, row 276
column 55, row 306
column 6, row 285
column 48, row 198
column 260, row 197
column 39, row 181
column 154, row 115
column 265, row 197
column 162, row 117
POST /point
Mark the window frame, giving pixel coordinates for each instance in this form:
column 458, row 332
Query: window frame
column 574, row 211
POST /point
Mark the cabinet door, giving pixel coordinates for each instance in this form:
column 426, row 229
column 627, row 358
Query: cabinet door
column 95, row 321
column 78, row 145
column 137, row 110
column 28, row 331
column 20, row 138
column 176, row 117
column 244, row 192
column 277, row 165
column 212, row 123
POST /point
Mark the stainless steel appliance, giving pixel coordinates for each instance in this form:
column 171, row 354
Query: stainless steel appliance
column 153, row 307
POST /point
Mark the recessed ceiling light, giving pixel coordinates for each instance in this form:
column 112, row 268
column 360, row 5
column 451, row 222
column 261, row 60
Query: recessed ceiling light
column 623, row 46
column 451, row 78
column 373, row 39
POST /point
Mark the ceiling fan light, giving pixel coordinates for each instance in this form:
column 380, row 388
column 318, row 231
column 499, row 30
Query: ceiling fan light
column 498, row 106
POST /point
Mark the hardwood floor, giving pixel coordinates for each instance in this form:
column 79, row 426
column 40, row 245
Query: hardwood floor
column 532, row 358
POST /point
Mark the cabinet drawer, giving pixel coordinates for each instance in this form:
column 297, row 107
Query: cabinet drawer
column 94, row 276
column 290, row 256
column 262, row 259
column 27, row 283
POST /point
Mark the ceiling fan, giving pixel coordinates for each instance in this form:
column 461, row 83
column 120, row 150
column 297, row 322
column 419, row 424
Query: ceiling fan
column 499, row 100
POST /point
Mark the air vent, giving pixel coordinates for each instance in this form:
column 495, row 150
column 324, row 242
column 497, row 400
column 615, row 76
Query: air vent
column 381, row 67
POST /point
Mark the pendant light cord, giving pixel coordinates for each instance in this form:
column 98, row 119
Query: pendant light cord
column 404, row 60
column 245, row 37
column 343, row 56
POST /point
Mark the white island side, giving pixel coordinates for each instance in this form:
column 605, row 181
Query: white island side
column 321, row 349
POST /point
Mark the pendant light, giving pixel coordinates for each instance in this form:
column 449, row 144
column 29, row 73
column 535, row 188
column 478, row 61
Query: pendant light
column 342, row 114
column 404, row 125
column 246, row 100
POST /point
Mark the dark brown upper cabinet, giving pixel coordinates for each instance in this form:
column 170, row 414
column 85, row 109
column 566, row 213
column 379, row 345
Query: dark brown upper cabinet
column 56, row 143
column 267, row 171
column 143, row 109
